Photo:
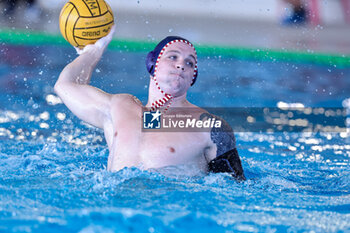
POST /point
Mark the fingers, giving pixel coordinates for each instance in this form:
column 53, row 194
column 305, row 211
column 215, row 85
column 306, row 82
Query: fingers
column 88, row 48
column 85, row 49
column 111, row 33
column 79, row 51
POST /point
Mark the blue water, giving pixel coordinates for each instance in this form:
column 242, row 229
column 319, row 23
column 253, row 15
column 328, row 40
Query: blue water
column 53, row 166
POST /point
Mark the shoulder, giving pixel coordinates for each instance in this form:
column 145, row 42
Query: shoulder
column 196, row 111
column 125, row 99
column 125, row 104
column 223, row 136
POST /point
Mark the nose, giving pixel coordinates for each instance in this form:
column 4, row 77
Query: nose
column 180, row 66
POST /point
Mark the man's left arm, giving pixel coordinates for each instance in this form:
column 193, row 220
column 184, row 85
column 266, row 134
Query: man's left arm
column 226, row 158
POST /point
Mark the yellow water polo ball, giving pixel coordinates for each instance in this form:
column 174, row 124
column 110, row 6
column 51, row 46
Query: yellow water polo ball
column 83, row 22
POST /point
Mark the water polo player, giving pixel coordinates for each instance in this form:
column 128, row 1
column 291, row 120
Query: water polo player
column 173, row 69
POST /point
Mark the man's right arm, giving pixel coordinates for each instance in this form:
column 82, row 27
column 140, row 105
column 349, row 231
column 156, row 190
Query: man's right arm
column 88, row 103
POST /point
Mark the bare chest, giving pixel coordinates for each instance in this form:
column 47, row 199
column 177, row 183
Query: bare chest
column 165, row 149
column 131, row 146
column 134, row 147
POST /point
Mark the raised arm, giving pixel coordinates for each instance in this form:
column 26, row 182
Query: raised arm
column 88, row 103
column 225, row 158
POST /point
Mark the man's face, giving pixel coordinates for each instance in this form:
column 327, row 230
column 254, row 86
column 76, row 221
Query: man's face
column 176, row 68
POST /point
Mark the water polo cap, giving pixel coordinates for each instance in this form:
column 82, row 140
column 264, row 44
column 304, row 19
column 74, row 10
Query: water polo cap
column 152, row 60
column 154, row 56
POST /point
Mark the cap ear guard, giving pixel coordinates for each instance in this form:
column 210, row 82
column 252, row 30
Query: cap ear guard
column 194, row 77
column 151, row 62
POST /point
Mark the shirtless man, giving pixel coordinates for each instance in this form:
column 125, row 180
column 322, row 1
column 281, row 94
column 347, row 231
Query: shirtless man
column 173, row 69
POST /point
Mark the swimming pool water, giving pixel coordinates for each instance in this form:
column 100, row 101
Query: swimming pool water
column 53, row 176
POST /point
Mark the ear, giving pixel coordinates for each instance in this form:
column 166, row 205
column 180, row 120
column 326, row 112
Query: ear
column 194, row 78
column 150, row 62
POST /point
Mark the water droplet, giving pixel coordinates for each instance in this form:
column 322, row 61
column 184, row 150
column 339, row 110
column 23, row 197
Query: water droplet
column 171, row 30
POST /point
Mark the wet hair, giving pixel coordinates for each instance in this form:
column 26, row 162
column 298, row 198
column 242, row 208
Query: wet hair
column 154, row 56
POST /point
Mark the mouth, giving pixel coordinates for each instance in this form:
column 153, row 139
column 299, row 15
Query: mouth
column 177, row 75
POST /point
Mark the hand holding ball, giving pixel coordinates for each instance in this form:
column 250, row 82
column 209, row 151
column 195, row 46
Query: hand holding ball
column 100, row 45
column 83, row 22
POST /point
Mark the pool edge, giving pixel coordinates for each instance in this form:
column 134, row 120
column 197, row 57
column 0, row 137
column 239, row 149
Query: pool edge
column 23, row 37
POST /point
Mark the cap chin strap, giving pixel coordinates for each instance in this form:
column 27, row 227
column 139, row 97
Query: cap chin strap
column 167, row 97
column 162, row 101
